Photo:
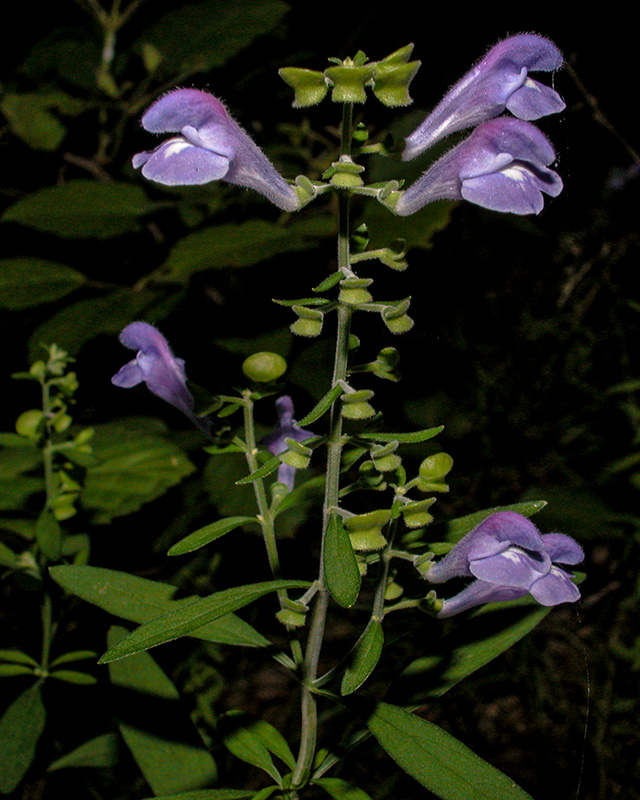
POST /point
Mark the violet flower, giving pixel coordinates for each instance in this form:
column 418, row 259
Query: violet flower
column 156, row 366
column 210, row 146
column 509, row 558
column 502, row 165
column 285, row 429
column 500, row 81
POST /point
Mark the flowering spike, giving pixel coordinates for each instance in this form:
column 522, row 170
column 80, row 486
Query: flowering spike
column 502, row 165
column 500, row 81
column 210, row 146
column 285, row 429
column 509, row 558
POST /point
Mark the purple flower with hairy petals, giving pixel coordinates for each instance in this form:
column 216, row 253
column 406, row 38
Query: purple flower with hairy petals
column 500, row 81
column 509, row 558
column 156, row 366
column 285, row 429
column 210, row 146
column 502, row 165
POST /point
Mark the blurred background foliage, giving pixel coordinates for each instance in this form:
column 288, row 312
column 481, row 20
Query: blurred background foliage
column 525, row 348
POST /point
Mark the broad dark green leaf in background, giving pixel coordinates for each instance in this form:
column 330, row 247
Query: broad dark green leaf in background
column 141, row 600
column 20, row 729
column 15, row 487
column 340, row 565
column 187, row 619
column 26, row 282
column 83, row 209
column 100, row 752
column 208, row 794
column 200, row 36
column 437, row 760
column 176, row 761
column 341, row 790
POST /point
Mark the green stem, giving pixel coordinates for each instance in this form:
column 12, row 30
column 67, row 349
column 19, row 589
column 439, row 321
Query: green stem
column 309, row 730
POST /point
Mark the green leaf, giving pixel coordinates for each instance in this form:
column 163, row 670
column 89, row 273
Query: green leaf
column 79, row 322
column 20, row 729
column 341, row 790
column 73, row 655
column 101, row 751
column 14, row 486
column 243, row 244
column 187, row 619
column 437, row 760
column 457, row 528
column 340, row 565
column 322, row 406
column 83, row 209
column 492, row 630
column 7, row 557
column 307, row 491
column 11, row 670
column 171, row 758
column 208, row 533
column 27, row 282
column 235, row 729
column 197, row 37
column 261, row 731
column 367, row 652
column 17, row 657
column 73, row 676
column 403, row 438
column 30, row 118
column 134, row 469
column 262, row 472
column 141, row 600
column 49, row 535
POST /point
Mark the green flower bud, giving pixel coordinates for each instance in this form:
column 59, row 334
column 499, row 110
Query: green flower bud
column 356, row 406
column 297, row 455
column 309, row 322
column 365, row 530
column 348, row 83
column 30, row 423
column 416, row 513
column 292, row 619
column 310, row 86
column 371, row 476
column 393, row 591
column 432, row 472
column 384, row 456
column 264, row 367
column 395, row 317
column 345, row 173
column 38, row 369
column 354, row 291
column 391, row 83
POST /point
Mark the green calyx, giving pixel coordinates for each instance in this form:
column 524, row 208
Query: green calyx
column 384, row 457
column 354, row 291
column 433, row 471
column 264, row 367
column 310, row 86
column 395, row 316
column 365, row 530
column 416, row 513
column 297, row 455
column 355, row 405
column 309, row 322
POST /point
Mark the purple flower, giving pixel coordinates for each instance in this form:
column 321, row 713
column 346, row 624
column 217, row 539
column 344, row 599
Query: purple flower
column 500, row 81
column 210, row 146
column 285, row 429
column 509, row 558
column 156, row 366
column 502, row 165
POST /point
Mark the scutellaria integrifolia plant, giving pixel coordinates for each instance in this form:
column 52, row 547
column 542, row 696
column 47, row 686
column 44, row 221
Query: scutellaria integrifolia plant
column 504, row 164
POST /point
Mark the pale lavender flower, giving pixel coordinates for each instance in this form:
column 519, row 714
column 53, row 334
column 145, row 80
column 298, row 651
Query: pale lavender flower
column 156, row 366
column 285, row 429
column 509, row 558
column 502, row 165
column 500, row 81
column 210, row 146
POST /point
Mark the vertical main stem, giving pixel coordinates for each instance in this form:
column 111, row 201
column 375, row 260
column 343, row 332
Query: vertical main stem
column 309, row 731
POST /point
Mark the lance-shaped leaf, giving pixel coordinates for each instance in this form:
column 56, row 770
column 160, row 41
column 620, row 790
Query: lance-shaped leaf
column 367, row 654
column 207, row 534
column 191, row 617
column 340, row 565
column 437, row 760
column 20, row 729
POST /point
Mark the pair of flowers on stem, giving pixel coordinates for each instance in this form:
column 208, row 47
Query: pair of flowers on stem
column 503, row 165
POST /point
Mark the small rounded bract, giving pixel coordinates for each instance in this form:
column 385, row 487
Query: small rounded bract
column 264, row 367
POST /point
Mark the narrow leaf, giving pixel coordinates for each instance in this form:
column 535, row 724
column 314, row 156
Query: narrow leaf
column 187, row 619
column 262, row 472
column 404, row 438
column 329, row 283
column 73, row 655
column 17, row 657
column 340, row 565
column 20, row 729
column 341, row 790
column 101, row 751
column 208, row 794
column 72, row 676
column 437, row 760
column 367, row 653
column 241, row 742
column 141, row 600
column 303, row 301
column 208, row 533
column 322, row 406
column 10, row 670
column 27, row 282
